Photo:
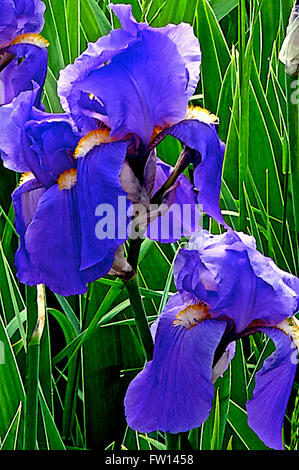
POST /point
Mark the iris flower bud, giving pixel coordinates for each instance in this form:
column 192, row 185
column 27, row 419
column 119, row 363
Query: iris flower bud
column 289, row 53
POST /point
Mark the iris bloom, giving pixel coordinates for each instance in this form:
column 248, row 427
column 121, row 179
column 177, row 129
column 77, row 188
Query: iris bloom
column 104, row 147
column 289, row 54
column 23, row 55
column 65, row 178
column 138, row 81
column 226, row 290
column 54, row 206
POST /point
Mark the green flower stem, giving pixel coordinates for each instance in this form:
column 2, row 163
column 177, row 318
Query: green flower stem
column 293, row 117
column 33, row 360
column 140, row 316
column 133, row 254
column 181, row 165
column 173, row 441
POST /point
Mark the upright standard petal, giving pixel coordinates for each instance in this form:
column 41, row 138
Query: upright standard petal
column 286, row 285
column 272, row 294
column 18, row 17
column 128, row 23
column 84, row 108
column 181, row 35
column 8, row 22
column 193, row 279
column 174, row 392
column 13, row 118
column 48, row 147
column 142, row 87
column 225, row 276
column 29, row 15
column 273, row 385
column 102, row 202
column 29, row 67
column 188, row 47
column 133, row 79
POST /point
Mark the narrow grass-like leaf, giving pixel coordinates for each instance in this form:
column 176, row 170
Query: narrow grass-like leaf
column 237, row 418
column 213, row 429
column 53, row 437
column 93, row 20
column 10, row 439
column 238, row 390
column 223, row 7
column 215, row 53
column 11, row 385
column 55, row 32
column 156, row 444
column 69, row 312
column 73, row 28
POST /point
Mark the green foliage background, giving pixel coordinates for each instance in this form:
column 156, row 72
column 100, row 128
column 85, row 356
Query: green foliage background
column 90, row 349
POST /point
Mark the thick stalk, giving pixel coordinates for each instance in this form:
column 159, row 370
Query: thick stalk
column 133, row 254
column 33, row 359
column 173, row 441
column 140, row 316
column 181, row 165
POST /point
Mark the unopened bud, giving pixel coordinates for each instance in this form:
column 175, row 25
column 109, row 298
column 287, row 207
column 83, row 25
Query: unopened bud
column 289, row 54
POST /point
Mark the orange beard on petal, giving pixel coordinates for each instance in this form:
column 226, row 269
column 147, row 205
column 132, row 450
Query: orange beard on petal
column 192, row 315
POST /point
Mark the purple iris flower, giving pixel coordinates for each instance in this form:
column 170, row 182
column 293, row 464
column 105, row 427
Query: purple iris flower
column 65, row 179
column 134, row 79
column 20, row 17
column 74, row 173
column 138, row 80
column 23, row 55
column 55, row 205
column 226, row 290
